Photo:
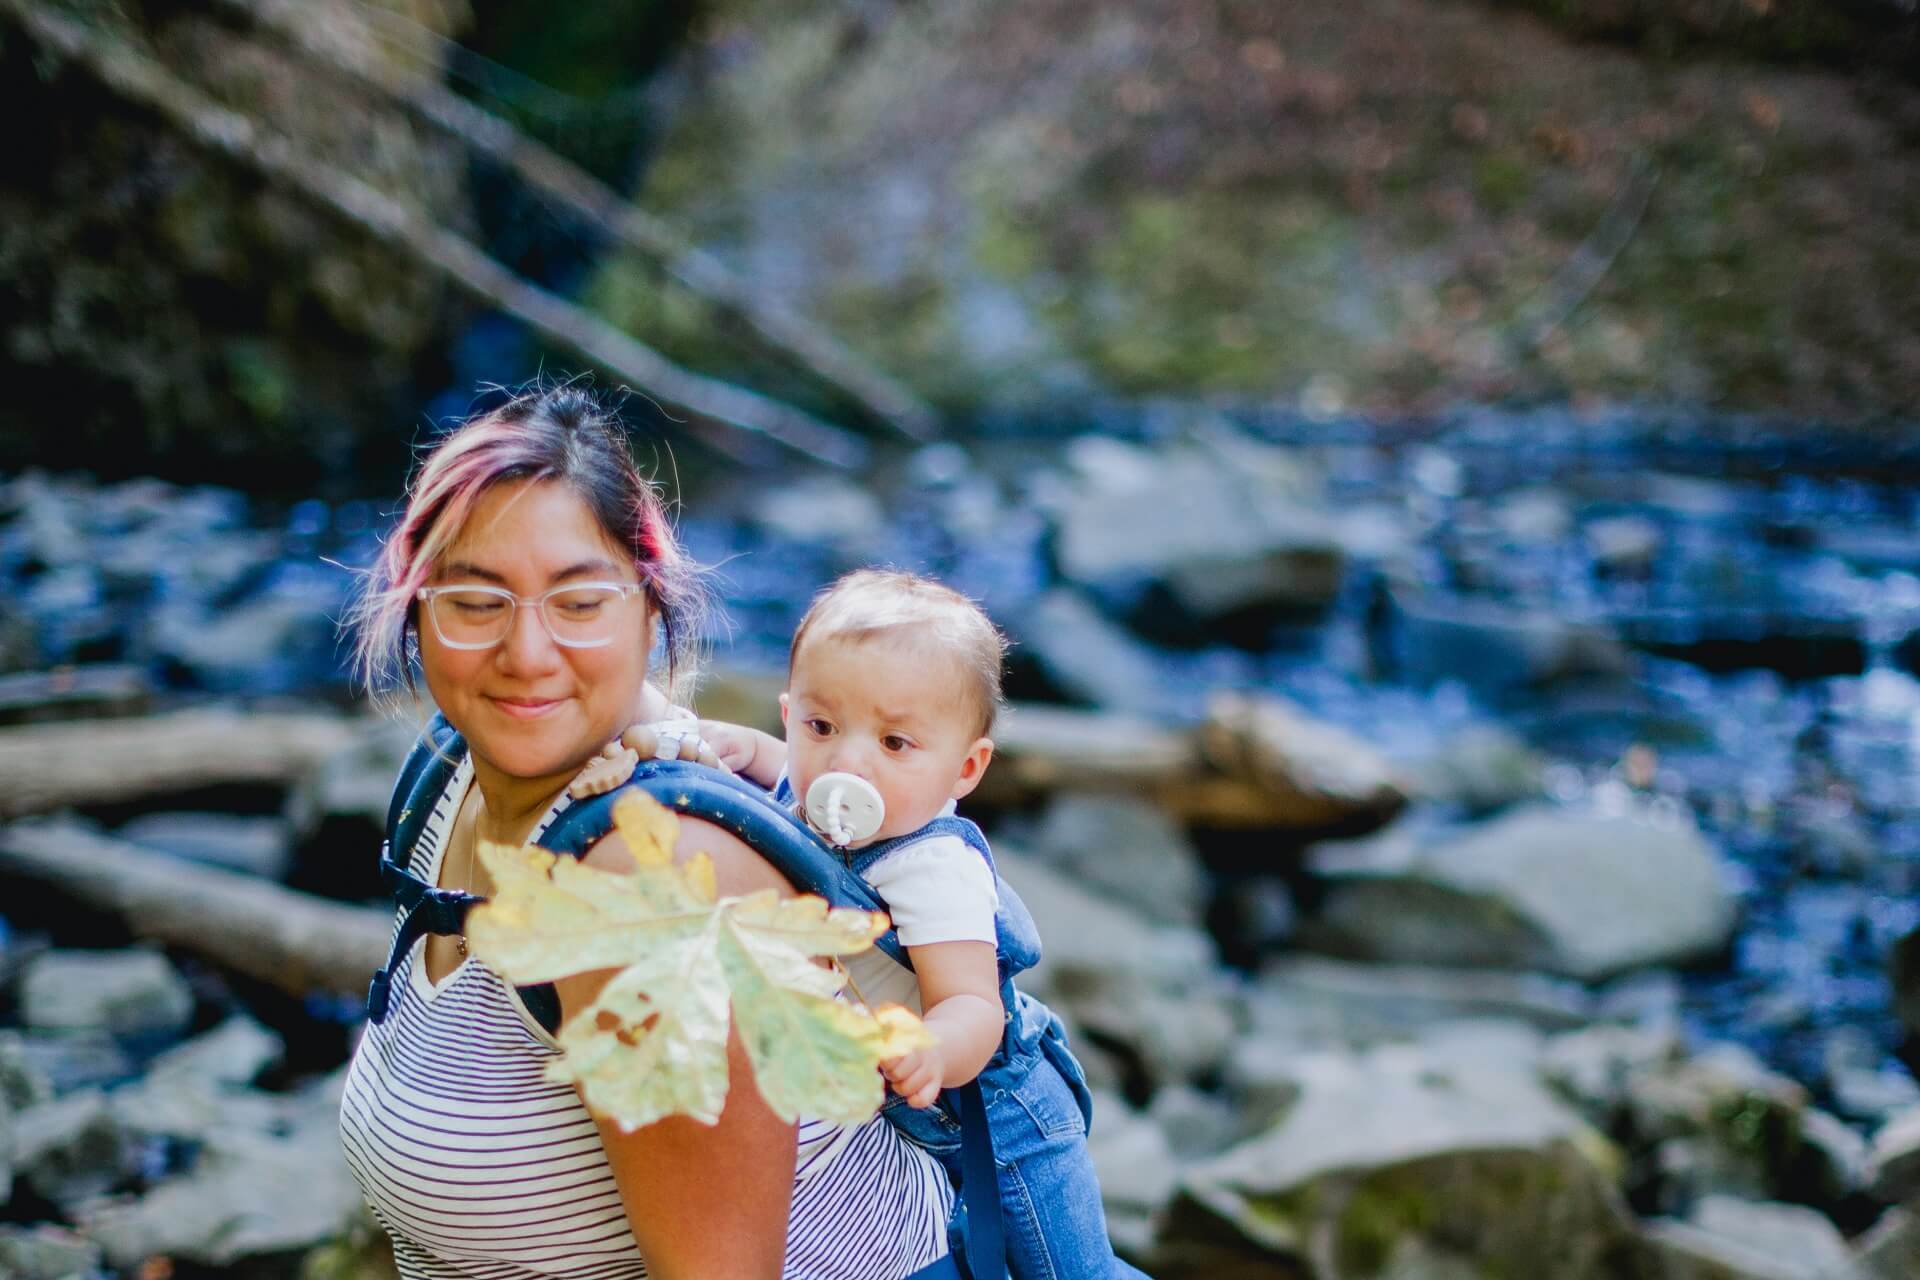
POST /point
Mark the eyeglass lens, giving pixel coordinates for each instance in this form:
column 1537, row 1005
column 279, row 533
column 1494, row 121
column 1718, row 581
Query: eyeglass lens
column 576, row 615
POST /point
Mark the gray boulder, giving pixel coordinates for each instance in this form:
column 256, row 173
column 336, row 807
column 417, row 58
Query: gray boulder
column 22, row 1081
column 73, row 1148
column 46, row 1252
column 1222, row 522
column 1314, row 1000
column 1126, row 849
column 1151, row 989
column 1400, row 1152
column 131, row 994
column 1137, row 1169
column 1492, row 647
column 246, row 1194
column 1318, row 775
column 1893, row 1167
column 1730, row 1239
column 1480, row 769
column 1089, row 657
column 1584, row 894
column 1890, row 1249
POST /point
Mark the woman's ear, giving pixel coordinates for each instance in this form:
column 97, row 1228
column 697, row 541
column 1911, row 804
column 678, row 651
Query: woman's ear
column 972, row 767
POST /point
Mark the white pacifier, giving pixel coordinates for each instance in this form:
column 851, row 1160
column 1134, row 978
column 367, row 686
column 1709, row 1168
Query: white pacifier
column 844, row 808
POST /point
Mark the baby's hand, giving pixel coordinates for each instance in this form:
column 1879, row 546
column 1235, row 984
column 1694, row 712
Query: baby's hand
column 672, row 740
column 915, row 1076
column 733, row 745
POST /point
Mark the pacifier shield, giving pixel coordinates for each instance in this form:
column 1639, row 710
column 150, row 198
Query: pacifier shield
column 844, row 808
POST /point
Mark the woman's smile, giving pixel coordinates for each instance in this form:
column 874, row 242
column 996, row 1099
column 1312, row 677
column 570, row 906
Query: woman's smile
column 522, row 708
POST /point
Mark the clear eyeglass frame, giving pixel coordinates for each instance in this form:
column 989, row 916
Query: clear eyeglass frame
column 427, row 595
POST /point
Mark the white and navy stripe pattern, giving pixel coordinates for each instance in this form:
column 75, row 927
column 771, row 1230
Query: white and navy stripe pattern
column 482, row 1170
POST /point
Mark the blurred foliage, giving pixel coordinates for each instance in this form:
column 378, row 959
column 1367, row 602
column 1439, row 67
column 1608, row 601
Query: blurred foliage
column 1368, row 207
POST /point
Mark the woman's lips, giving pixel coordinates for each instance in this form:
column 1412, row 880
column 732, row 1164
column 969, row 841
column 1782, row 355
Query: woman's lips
column 526, row 708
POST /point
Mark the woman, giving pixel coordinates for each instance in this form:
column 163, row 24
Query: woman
column 529, row 571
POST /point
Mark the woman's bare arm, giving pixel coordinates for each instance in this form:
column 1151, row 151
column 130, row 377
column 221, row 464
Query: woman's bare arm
column 706, row 1202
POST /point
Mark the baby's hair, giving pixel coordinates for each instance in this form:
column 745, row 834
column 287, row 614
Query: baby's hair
column 874, row 602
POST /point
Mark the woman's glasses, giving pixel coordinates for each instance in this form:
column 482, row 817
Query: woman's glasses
column 582, row 615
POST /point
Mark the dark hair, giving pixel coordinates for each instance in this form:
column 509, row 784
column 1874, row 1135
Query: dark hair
column 561, row 433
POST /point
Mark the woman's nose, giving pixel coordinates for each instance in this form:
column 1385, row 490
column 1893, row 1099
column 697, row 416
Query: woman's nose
column 527, row 646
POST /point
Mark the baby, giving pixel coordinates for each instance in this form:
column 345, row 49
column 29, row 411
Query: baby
column 895, row 680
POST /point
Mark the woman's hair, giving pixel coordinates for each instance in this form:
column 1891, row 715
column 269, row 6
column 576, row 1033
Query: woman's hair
column 871, row 603
column 558, row 433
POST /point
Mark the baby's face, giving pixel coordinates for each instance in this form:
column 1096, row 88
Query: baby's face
column 888, row 709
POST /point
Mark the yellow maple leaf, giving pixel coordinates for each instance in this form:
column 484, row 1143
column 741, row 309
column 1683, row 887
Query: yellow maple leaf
column 689, row 963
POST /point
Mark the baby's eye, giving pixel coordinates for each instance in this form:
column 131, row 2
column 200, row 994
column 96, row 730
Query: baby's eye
column 819, row 728
column 894, row 742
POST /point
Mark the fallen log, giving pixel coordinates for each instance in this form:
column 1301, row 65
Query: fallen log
column 294, row 941
column 52, row 766
column 778, row 330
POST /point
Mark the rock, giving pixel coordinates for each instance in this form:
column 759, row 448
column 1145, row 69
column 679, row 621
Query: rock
column 1321, row 775
column 1890, row 1249
column 1624, row 545
column 1137, row 1172
column 1595, row 1068
column 6, row 1150
column 73, row 1148
column 1481, row 769
column 233, row 1054
column 1535, row 516
column 1836, row 1160
column 46, row 1252
column 22, row 1081
column 1195, row 1123
column 1395, row 1149
column 273, row 643
column 1893, row 1160
column 1222, row 523
column 64, row 1061
column 341, row 804
column 1719, row 1122
column 131, row 994
column 1312, row 1000
column 258, row 846
column 68, row 692
column 1127, row 849
column 1732, row 1239
column 246, row 1194
column 1089, row 658
column 1151, row 989
column 1582, row 894
column 1493, row 648
column 825, row 510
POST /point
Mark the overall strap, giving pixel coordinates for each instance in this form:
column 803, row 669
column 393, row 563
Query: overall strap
column 423, row 779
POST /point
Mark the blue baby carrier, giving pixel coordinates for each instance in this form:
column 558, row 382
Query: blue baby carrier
column 757, row 820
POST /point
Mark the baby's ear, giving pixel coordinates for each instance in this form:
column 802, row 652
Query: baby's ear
column 972, row 767
column 783, row 710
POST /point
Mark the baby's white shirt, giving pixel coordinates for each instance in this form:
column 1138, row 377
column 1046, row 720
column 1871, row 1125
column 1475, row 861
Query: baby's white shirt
column 937, row 890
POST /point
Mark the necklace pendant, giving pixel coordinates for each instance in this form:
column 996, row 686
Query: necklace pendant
column 460, row 942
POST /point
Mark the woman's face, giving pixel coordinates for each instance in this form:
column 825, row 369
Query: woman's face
column 528, row 707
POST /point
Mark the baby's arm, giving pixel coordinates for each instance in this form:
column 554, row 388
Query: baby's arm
column 960, row 992
column 756, row 756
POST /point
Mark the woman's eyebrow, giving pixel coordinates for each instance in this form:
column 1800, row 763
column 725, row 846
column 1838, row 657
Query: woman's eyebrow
column 468, row 569
column 583, row 568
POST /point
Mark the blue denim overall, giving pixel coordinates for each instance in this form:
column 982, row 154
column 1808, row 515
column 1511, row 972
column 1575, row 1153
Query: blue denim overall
column 1037, row 1104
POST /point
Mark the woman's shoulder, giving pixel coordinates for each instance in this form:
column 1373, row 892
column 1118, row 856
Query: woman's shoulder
column 737, row 867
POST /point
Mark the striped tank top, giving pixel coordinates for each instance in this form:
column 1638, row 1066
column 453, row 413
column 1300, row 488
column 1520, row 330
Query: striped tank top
column 479, row 1169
